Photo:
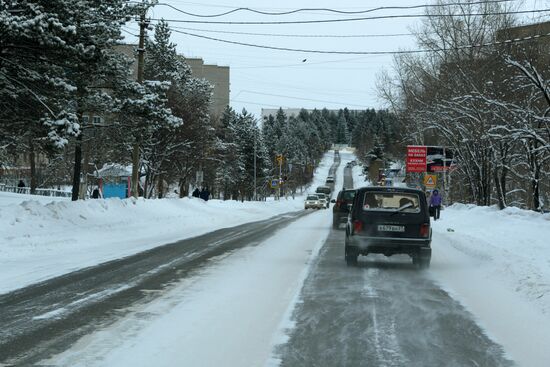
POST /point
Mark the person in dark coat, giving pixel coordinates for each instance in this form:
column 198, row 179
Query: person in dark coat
column 435, row 203
column 21, row 186
column 205, row 194
column 196, row 193
column 95, row 193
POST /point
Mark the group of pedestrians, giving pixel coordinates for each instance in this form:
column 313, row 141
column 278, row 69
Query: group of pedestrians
column 203, row 193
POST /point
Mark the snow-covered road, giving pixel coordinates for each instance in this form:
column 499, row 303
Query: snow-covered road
column 228, row 315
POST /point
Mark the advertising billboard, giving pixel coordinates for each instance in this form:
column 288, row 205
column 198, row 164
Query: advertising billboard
column 416, row 158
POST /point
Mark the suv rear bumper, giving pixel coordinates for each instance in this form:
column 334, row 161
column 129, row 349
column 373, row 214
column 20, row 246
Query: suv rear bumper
column 388, row 245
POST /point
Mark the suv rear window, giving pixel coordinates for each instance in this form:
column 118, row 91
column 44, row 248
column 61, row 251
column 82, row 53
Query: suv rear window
column 312, row 197
column 391, row 201
column 348, row 196
column 323, row 189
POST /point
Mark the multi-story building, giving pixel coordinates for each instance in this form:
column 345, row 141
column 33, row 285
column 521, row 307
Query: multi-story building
column 218, row 76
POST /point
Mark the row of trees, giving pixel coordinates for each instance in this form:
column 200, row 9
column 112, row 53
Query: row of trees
column 70, row 98
column 61, row 62
column 488, row 102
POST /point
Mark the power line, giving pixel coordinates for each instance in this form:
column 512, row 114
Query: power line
column 364, row 52
column 338, row 20
column 329, row 10
column 302, row 99
column 297, row 35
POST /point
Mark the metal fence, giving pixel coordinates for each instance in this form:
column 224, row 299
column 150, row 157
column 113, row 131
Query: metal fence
column 41, row 192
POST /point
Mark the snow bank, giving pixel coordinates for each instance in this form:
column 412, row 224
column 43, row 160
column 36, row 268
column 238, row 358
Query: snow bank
column 497, row 263
column 42, row 237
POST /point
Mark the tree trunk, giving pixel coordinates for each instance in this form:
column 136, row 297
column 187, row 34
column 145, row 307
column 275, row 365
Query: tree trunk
column 135, row 171
column 536, row 188
column 160, row 186
column 85, row 165
column 501, row 191
column 77, row 167
column 32, row 159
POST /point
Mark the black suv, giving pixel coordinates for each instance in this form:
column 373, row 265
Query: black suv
column 340, row 209
column 389, row 220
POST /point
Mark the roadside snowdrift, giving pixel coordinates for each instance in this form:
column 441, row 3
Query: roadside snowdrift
column 42, row 238
column 497, row 263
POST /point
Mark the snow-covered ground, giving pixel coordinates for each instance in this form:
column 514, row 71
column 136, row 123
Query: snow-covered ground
column 497, row 263
column 43, row 237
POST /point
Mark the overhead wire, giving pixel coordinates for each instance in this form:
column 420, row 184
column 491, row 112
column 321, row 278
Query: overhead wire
column 399, row 52
column 295, row 35
column 329, row 10
column 339, row 20
column 301, row 98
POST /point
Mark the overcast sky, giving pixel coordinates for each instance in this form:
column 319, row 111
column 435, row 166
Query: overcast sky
column 263, row 78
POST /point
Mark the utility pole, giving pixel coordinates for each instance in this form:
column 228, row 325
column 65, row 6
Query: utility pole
column 255, row 186
column 141, row 63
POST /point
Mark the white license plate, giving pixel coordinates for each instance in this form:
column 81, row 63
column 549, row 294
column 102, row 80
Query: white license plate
column 389, row 228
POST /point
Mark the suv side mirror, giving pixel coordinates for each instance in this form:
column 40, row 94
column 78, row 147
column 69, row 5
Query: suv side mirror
column 333, row 201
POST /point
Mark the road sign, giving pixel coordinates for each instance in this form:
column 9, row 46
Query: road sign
column 416, row 158
column 430, row 181
column 274, row 183
column 280, row 159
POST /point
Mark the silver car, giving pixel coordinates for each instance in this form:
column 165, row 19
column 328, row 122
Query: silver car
column 313, row 202
column 324, row 199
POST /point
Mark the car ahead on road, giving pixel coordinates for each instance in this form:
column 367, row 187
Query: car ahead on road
column 329, row 181
column 389, row 221
column 313, row 202
column 340, row 210
column 323, row 190
column 324, row 198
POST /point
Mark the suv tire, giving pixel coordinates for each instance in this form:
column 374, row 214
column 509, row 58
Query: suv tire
column 351, row 257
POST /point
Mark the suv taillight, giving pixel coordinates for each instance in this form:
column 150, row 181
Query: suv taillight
column 357, row 226
column 425, row 230
column 338, row 203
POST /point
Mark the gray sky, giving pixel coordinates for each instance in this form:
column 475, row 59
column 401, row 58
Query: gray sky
column 270, row 78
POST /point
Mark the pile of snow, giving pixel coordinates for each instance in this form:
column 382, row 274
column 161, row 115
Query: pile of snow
column 497, row 263
column 43, row 237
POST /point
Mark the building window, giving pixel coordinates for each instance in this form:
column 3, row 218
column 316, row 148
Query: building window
column 85, row 120
column 96, row 120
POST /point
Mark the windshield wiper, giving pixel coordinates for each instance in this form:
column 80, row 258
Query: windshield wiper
column 408, row 205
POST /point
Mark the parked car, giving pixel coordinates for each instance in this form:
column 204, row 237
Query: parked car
column 389, row 220
column 330, row 181
column 313, row 202
column 323, row 190
column 340, row 209
column 324, row 198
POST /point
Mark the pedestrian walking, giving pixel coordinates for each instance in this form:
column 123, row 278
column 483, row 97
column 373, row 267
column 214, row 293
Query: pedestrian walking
column 205, row 194
column 435, row 203
column 21, row 187
column 196, row 193
column 95, row 193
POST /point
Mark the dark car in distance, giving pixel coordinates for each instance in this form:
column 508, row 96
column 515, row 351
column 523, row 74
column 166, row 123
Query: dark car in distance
column 323, row 190
column 389, row 221
column 340, row 209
